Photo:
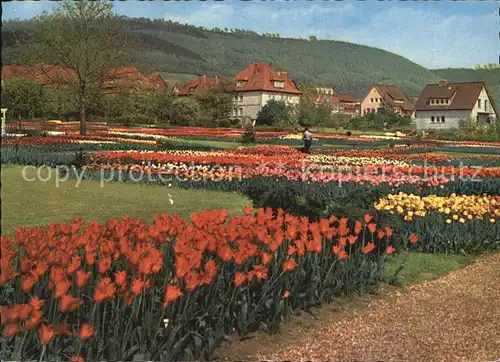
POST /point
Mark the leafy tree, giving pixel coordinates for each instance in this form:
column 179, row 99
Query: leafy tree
column 23, row 98
column 59, row 103
column 162, row 106
column 273, row 113
column 86, row 38
column 217, row 102
column 185, row 112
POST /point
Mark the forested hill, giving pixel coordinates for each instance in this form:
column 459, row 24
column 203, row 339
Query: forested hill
column 185, row 49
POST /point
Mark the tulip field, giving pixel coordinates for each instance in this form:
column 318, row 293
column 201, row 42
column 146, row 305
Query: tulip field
column 316, row 227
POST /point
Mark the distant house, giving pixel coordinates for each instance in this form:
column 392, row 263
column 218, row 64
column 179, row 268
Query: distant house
column 51, row 75
column 259, row 83
column 347, row 104
column 443, row 105
column 341, row 103
column 202, row 82
column 386, row 96
column 325, row 89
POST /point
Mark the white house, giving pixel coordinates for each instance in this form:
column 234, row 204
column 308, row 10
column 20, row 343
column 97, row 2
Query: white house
column 443, row 105
column 259, row 83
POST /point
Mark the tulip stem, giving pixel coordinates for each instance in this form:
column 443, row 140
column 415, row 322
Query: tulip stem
column 43, row 353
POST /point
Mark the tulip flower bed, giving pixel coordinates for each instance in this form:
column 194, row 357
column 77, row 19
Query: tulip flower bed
column 454, row 223
column 174, row 289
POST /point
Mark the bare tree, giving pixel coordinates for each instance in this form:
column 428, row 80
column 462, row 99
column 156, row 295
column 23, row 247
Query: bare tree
column 86, row 38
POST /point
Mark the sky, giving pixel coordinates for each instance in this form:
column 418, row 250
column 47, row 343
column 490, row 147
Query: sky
column 434, row 34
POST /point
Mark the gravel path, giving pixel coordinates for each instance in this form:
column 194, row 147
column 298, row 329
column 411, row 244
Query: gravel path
column 455, row 318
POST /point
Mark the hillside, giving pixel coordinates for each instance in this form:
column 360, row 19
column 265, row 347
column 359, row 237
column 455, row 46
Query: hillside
column 185, row 50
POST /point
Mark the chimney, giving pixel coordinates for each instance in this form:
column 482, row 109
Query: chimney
column 443, row 83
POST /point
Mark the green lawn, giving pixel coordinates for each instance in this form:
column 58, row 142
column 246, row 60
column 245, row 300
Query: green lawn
column 420, row 267
column 26, row 203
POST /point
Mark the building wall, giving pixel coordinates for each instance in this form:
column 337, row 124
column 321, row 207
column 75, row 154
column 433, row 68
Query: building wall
column 372, row 101
column 452, row 118
column 479, row 110
column 250, row 103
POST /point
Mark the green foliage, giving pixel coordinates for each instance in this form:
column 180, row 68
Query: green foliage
column 216, row 103
column 185, row 112
column 23, row 98
column 86, row 38
column 383, row 119
column 274, row 113
column 248, row 135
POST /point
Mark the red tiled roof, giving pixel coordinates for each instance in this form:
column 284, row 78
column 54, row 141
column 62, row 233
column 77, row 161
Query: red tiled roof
column 202, row 82
column 51, row 75
column 335, row 99
column 463, row 96
column 261, row 77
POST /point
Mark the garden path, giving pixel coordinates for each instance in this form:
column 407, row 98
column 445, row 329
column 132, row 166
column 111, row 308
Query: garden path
column 454, row 318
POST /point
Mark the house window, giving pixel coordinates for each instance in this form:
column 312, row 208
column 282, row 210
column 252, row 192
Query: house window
column 241, row 111
column 442, row 119
column 240, row 83
column 432, row 119
column 279, row 84
column 240, row 98
column 371, row 100
column 431, row 101
column 479, row 103
column 442, row 101
column 485, row 104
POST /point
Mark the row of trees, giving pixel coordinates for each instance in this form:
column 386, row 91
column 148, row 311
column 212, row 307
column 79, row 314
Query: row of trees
column 28, row 100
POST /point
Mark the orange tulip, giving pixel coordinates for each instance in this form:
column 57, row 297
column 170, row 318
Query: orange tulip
column 104, row 265
column 413, row 238
column 69, row 303
column 286, row 294
column 368, row 248
column 343, row 255
column 172, row 293
column 239, row 279
column 367, row 218
column 372, row 227
column 46, row 334
column 86, row 331
column 82, row 278
column 105, row 290
column 390, row 250
column 11, row 330
column 289, row 265
column 120, row 277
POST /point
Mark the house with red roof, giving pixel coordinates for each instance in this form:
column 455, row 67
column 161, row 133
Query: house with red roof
column 202, row 82
column 51, row 75
column 341, row 103
column 259, row 83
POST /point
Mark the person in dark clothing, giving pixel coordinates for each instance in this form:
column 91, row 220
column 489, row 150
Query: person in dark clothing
column 307, row 140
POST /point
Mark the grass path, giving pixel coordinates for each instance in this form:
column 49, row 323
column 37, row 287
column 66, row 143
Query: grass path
column 28, row 204
column 454, row 318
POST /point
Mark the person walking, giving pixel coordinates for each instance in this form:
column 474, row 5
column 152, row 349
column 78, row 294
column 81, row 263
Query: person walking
column 307, row 140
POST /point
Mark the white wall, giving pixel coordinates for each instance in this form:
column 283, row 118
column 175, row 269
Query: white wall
column 483, row 96
column 423, row 118
column 253, row 102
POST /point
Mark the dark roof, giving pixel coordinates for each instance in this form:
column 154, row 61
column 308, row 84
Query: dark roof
column 394, row 96
column 463, row 96
column 347, row 98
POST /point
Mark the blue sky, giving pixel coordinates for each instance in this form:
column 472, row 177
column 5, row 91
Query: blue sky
column 435, row 34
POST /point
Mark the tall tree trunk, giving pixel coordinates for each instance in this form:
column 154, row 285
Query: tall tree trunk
column 83, row 111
